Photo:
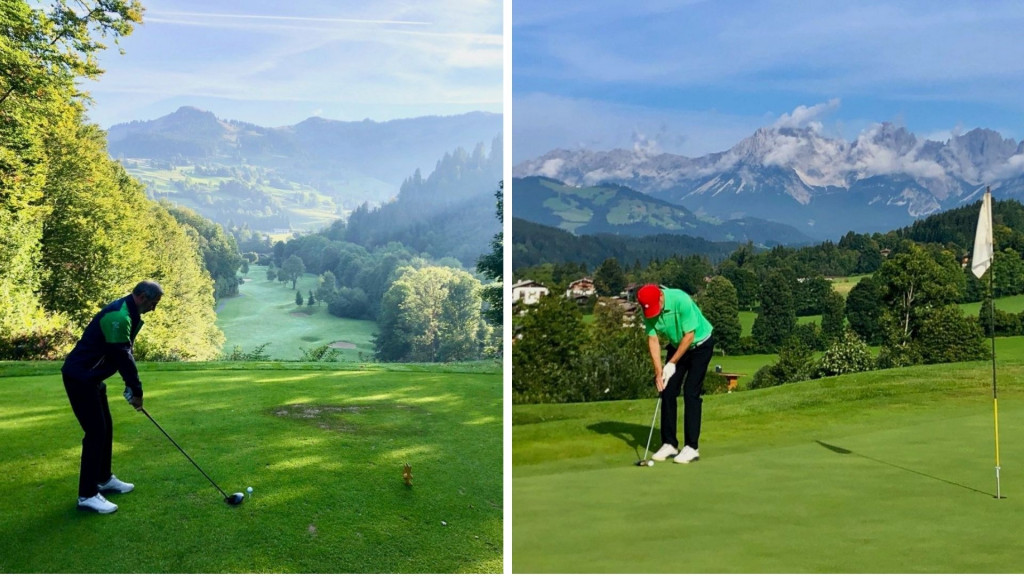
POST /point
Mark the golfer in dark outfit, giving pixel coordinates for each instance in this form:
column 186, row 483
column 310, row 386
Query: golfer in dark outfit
column 105, row 348
column 674, row 315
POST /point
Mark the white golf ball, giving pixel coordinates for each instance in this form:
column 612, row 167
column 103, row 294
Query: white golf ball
column 650, row 462
column 249, row 489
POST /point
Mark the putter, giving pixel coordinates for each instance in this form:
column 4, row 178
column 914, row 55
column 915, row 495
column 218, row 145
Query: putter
column 656, row 408
column 234, row 499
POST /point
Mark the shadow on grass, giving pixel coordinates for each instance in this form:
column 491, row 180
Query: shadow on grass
column 840, row 450
column 634, row 435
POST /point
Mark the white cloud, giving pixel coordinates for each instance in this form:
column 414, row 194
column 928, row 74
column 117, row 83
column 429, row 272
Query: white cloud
column 807, row 116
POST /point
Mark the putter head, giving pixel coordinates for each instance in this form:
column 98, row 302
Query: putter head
column 641, row 463
column 235, row 499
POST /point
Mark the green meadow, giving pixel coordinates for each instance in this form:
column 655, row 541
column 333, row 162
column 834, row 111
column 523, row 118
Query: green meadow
column 323, row 447
column 264, row 312
column 887, row 471
column 1014, row 304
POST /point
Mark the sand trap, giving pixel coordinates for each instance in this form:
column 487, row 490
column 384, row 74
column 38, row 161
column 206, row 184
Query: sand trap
column 345, row 345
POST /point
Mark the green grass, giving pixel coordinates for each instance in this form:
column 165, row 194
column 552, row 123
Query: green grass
column 844, row 284
column 265, row 311
column 889, row 471
column 747, row 318
column 1014, row 304
column 322, row 446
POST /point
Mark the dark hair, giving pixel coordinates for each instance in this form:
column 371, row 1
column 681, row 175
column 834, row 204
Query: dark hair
column 149, row 289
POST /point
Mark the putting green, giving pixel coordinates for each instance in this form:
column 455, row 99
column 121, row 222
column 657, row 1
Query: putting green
column 880, row 472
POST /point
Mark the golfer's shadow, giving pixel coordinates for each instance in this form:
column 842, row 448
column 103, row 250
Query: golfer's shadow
column 840, row 450
column 634, row 435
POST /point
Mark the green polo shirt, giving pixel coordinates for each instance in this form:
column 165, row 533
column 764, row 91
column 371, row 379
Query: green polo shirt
column 679, row 316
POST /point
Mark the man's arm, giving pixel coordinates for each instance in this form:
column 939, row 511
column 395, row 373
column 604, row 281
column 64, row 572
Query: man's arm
column 654, row 345
column 683, row 347
column 116, row 327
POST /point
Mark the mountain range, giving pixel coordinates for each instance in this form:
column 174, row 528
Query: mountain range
column 824, row 187
column 388, row 152
column 301, row 178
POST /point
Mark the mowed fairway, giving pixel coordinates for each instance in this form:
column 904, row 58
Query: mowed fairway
column 264, row 312
column 889, row 471
column 322, row 447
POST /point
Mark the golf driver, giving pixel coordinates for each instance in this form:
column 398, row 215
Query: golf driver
column 645, row 462
column 234, row 499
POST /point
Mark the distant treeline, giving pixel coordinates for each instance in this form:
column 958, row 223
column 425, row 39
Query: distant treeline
column 536, row 244
column 449, row 213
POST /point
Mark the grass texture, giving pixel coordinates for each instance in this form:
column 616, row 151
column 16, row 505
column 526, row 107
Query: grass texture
column 322, row 446
column 245, row 319
column 880, row 472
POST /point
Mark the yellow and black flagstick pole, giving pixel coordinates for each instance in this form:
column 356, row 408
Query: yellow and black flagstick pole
column 995, row 394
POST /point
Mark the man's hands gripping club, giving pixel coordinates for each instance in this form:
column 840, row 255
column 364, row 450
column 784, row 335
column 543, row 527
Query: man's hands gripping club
column 666, row 373
column 135, row 401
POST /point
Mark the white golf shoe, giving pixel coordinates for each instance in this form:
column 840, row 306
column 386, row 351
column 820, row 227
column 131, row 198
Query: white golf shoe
column 687, row 455
column 115, row 486
column 666, row 451
column 97, row 503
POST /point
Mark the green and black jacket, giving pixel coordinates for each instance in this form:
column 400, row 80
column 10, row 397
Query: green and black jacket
column 106, row 346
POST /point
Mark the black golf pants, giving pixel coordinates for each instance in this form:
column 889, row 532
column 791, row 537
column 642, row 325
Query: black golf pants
column 689, row 378
column 89, row 402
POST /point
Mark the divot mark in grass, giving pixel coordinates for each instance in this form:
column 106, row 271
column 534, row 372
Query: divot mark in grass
column 381, row 418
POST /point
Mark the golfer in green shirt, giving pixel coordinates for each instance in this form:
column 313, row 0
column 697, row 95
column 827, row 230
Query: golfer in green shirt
column 672, row 314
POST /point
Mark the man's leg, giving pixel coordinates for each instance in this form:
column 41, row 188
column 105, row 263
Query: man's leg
column 106, row 444
column 695, row 363
column 669, row 406
column 89, row 403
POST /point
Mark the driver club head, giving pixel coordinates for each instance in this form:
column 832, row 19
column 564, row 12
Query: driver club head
column 235, row 499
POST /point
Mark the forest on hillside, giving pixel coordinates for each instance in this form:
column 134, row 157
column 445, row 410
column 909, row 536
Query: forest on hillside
column 75, row 230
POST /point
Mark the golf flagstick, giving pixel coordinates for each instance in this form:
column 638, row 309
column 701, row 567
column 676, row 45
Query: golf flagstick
column 983, row 255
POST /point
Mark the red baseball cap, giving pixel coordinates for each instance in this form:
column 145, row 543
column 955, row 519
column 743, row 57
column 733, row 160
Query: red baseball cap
column 649, row 297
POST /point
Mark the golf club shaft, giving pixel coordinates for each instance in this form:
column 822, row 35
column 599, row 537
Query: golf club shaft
column 143, row 410
column 651, row 434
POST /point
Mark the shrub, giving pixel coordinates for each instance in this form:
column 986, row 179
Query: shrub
column 949, row 336
column 322, row 353
column 38, row 343
column 897, row 355
column 715, row 383
column 766, row 377
column 796, row 363
column 847, row 355
column 257, row 354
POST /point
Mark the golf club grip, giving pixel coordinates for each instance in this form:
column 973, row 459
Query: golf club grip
column 185, row 454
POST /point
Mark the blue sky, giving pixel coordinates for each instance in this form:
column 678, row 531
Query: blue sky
column 277, row 63
column 695, row 77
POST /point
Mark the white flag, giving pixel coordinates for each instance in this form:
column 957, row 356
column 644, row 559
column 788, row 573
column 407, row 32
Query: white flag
column 983, row 249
